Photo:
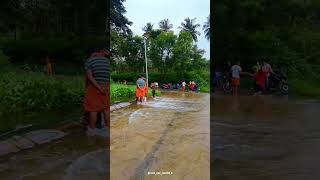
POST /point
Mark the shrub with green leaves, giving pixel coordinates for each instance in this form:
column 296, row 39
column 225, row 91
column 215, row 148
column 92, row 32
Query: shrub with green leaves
column 36, row 92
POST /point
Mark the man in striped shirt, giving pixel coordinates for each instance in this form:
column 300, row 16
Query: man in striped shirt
column 97, row 89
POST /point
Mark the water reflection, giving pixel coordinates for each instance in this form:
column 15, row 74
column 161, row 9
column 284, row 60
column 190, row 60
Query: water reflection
column 265, row 138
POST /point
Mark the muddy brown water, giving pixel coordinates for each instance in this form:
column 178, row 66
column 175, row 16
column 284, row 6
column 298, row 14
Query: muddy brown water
column 253, row 138
column 167, row 138
column 170, row 134
column 265, row 138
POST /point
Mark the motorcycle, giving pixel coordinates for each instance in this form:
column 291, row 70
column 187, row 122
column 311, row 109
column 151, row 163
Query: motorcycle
column 166, row 86
column 227, row 87
column 279, row 82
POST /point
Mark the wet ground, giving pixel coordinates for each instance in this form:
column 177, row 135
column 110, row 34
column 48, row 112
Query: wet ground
column 265, row 138
column 169, row 135
column 51, row 161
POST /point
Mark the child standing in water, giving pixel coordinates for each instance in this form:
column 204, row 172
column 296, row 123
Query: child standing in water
column 153, row 87
column 235, row 71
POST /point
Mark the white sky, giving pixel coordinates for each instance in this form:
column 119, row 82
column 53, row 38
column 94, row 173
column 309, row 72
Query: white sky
column 140, row 12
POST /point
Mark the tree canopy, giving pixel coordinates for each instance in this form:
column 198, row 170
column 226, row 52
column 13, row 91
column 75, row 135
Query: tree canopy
column 283, row 32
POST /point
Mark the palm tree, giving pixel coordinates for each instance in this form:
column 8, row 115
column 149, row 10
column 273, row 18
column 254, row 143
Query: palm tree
column 189, row 26
column 148, row 28
column 165, row 25
column 206, row 28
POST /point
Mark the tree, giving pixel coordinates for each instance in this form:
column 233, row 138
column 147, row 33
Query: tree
column 118, row 22
column 182, row 51
column 148, row 28
column 161, row 52
column 165, row 25
column 206, row 28
column 189, row 26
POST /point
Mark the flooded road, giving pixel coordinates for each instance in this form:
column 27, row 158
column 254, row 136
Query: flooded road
column 169, row 135
column 51, row 161
column 265, row 138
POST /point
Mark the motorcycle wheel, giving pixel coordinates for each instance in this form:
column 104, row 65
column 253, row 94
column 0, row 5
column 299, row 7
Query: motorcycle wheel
column 227, row 88
column 284, row 88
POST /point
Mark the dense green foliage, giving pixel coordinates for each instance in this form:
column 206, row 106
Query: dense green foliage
column 171, row 58
column 284, row 33
column 18, row 92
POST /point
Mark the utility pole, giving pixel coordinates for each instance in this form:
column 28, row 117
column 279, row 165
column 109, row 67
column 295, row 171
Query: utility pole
column 145, row 56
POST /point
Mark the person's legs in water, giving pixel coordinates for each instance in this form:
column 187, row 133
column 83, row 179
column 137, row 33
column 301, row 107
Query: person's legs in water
column 107, row 118
column 235, row 84
column 92, row 119
column 153, row 93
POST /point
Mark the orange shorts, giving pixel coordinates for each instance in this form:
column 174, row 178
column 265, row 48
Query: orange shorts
column 140, row 92
column 235, row 82
column 95, row 101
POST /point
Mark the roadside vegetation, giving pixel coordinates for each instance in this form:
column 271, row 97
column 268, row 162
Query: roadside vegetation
column 284, row 33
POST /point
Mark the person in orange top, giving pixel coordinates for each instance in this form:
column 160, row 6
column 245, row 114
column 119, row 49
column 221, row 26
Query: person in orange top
column 49, row 67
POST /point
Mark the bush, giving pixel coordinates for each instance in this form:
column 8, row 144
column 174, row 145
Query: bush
column 35, row 92
column 306, row 88
column 119, row 92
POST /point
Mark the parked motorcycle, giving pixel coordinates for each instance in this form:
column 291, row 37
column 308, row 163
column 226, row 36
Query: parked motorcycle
column 166, row 86
column 227, row 87
column 279, row 82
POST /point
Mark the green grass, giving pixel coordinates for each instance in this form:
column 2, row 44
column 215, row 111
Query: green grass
column 29, row 93
column 305, row 88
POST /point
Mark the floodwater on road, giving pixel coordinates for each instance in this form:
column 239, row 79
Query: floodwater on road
column 51, row 161
column 265, row 138
column 167, row 138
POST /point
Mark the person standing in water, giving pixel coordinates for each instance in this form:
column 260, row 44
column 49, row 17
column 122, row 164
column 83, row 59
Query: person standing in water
column 183, row 88
column 140, row 90
column 97, row 90
column 235, row 74
column 266, row 68
column 153, row 87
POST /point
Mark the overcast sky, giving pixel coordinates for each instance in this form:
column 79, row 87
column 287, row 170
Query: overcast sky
column 140, row 12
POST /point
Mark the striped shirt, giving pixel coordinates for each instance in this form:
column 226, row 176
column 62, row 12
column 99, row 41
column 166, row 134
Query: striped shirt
column 99, row 67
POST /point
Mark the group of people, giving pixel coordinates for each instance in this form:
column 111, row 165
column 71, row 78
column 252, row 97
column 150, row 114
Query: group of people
column 261, row 73
column 193, row 86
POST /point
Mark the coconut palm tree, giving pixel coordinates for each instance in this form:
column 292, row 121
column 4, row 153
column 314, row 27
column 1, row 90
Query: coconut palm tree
column 206, row 28
column 189, row 26
column 165, row 25
column 148, row 28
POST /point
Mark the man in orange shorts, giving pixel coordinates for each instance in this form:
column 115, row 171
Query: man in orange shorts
column 140, row 91
column 97, row 90
column 235, row 71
